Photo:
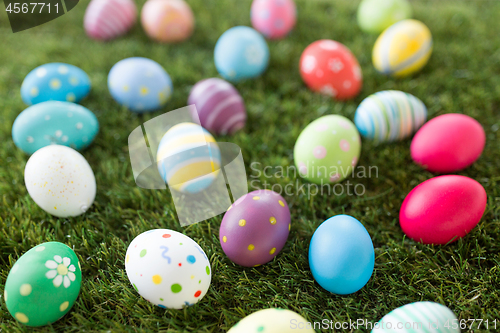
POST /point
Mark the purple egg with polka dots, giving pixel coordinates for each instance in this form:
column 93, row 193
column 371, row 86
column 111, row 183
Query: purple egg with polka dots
column 255, row 228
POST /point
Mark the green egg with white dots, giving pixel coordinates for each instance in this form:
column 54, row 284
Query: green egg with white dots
column 273, row 320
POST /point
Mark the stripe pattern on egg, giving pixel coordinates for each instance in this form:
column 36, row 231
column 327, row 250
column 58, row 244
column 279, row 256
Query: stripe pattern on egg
column 108, row 19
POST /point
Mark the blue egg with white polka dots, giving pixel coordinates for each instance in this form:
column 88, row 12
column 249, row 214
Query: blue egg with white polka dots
column 54, row 122
column 140, row 84
column 55, row 82
column 241, row 53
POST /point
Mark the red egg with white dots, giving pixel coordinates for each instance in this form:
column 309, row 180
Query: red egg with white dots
column 329, row 67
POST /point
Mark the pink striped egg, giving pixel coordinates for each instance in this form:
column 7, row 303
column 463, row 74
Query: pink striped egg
column 108, row 19
column 220, row 107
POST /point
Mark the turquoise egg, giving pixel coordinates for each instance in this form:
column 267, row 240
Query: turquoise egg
column 54, row 122
column 55, row 82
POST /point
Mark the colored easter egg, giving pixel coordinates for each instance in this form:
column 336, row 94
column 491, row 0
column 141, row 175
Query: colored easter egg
column 389, row 115
column 402, row 49
column 448, row 143
column 327, row 150
column 140, row 84
column 55, row 82
column 442, row 209
column 374, row 16
column 108, row 19
column 255, row 228
column 272, row 320
column 60, row 181
column 328, row 67
column 341, row 255
column 419, row 317
column 43, row 284
column 168, row 268
column 54, row 122
column 241, row 53
column 167, row 21
column 219, row 105
column 273, row 18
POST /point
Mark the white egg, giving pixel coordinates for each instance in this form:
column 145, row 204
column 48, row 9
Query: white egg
column 60, row 181
column 273, row 320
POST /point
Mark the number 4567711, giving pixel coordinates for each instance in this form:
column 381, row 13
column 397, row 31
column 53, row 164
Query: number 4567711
column 25, row 8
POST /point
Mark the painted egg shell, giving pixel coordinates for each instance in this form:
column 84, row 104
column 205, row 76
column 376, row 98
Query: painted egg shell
column 219, row 105
column 139, row 84
column 167, row 21
column 273, row 321
column 60, row 181
column 188, row 158
column 328, row 67
column 402, row 49
column 55, row 82
column 341, row 255
column 52, row 122
column 418, row 317
column 442, row 209
column 273, row 18
column 389, row 115
column 168, row 268
column 255, row 228
column 374, row 16
column 108, row 19
column 448, row 143
column 241, row 53
column 327, row 150
column 43, row 284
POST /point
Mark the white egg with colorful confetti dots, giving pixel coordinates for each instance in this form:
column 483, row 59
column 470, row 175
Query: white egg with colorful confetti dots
column 168, row 268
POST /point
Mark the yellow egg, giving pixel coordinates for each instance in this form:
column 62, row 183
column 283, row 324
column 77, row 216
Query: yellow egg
column 273, row 320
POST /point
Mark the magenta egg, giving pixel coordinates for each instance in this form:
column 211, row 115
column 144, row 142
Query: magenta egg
column 273, row 18
column 108, row 19
column 255, row 228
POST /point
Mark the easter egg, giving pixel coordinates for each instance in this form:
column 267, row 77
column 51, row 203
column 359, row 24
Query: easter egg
column 328, row 67
column 442, row 209
column 241, row 53
column 55, row 82
column 60, row 181
column 140, row 84
column 273, row 18
column 219, row 105
column 255, row 228
column 341, row 255
column 374, row 16
column 168, row 268
column 389, row 115
column 272, row 320
column 188, row 158
column 52, row 122
column 108, row 19
column 167, row 21
column 402, row 49
column 43, row 284
column 419, row 317
column 327, row 150
column 448, row 143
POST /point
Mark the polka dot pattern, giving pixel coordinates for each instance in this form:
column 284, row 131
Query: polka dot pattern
column 273, row 18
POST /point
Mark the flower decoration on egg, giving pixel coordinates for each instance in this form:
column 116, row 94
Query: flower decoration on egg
column 61, row 271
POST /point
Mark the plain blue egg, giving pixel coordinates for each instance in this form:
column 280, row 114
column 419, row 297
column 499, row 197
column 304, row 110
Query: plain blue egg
column 341, row 255
column 241, row 53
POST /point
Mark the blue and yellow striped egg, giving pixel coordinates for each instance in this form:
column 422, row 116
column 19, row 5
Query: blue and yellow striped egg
column 389, row 115
column 402, row 49
column 188, row 158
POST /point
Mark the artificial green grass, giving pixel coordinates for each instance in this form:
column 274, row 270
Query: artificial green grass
column 462, row 76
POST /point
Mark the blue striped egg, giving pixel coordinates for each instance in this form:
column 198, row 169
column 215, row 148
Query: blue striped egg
column 55, row 82
column 188, row 158
column 389, row 115
column 140, row 84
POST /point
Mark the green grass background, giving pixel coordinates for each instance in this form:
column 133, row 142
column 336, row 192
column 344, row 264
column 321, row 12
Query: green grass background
column 462, row 76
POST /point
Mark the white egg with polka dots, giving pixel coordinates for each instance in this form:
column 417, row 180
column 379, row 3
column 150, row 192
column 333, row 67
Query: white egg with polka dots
column 168, row 268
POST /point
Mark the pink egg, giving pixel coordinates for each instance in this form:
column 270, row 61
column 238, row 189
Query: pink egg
column 273, row 18
column 108, row 19
column 442, row 209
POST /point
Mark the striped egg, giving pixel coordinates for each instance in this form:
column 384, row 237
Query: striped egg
column 402, row 49
column 108, row 19
column 188, row 158
column 389, row 116
column 219, row 105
